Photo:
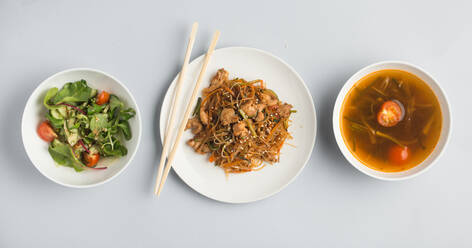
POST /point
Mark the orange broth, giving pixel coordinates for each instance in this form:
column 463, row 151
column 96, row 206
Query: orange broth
column 419, row 130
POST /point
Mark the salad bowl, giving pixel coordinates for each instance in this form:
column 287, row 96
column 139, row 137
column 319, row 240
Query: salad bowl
column 37, row 149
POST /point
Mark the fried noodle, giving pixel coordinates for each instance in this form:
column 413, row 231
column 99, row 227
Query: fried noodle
column 241, row 124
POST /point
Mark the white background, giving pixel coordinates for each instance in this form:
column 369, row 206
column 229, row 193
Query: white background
column 142, row 43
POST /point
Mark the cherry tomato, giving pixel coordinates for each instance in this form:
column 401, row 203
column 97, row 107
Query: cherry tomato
column 398, row 155
column 103, row 97
column 91, row 159
column 46, row 132
column 391, row 113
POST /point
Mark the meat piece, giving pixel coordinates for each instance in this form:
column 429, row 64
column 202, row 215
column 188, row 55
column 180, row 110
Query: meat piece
column 260, row 116
column 284, row 110
column 239, row 129
column 220, row 77
column 194, row 144
column 203, row 115
column 228, row 116
column 270, row 100
column 198, row 147
column 205, row 149
column 260, row 107
column 249, row 108
column 195, row 125
column 207, row 91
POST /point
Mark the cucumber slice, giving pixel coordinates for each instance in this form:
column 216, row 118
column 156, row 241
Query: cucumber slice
column 56, row 123
column 93, row 92
column 55, row 113
column 62, row 111
column 73, row 137
column 71, row 123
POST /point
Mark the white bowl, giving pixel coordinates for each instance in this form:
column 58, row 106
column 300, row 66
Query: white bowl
column 37, row 149
column 446, row 125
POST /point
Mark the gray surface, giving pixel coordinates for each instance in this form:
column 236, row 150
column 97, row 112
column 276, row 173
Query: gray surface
column 331, row 204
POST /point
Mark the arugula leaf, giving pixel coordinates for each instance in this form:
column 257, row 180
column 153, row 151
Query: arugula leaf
column 87, row 140
column 114, row 117
column 98, row 122
column 74, row 92
column 127, row 114
column 116, row 150
column 125, row 128
column 115, row 102
column 63, row 155
column 82, row 120
column 95, row 108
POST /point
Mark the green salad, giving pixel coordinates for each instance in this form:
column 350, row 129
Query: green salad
column 84, row 125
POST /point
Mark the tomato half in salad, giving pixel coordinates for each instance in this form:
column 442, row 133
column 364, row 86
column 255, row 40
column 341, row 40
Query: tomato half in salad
column 103, row 97
column 91, row 159
column 46, row 132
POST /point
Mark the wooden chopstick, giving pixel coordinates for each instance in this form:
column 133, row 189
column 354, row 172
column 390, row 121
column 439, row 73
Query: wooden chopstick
column 169, row 132
column 188, row 110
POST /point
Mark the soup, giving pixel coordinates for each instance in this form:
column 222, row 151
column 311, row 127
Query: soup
column 391, row 120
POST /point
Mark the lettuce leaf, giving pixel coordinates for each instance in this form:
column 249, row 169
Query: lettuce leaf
column 49, row 95
column 74, row 92
column 63, row 155
column 98, row 122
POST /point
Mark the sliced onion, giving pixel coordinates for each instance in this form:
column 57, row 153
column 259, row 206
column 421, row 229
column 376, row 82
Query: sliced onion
column 83, row 145
column 74, row 107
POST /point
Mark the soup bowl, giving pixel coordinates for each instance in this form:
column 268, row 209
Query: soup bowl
column 445, row 128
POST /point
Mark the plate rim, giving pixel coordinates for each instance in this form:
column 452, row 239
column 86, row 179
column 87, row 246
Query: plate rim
column 313, row 110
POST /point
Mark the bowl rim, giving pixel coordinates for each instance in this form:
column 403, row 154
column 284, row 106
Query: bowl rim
column 445, row 106
column 138, row 118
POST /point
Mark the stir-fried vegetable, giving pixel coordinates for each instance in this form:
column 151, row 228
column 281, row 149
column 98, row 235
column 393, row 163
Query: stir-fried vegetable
column 248, row 123
column 84, row 126
column 197, row 107
column 240, row 124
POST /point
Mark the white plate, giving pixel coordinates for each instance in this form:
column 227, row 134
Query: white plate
column 37, row 149
column 209, row 180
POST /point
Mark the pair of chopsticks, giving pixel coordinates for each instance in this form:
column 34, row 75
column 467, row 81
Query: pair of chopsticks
column 164, row 171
